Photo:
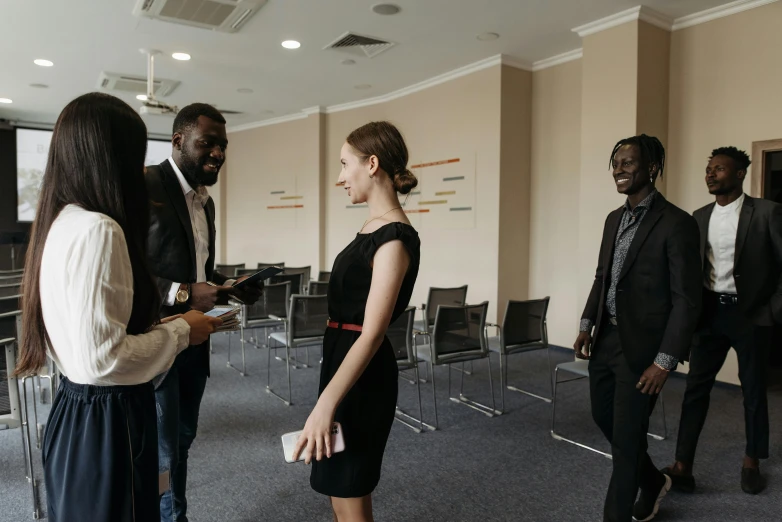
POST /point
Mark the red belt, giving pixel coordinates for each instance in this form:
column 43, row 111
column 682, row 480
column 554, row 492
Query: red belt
column 344, row 326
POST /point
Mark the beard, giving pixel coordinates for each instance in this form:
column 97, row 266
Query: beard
column 193, row 170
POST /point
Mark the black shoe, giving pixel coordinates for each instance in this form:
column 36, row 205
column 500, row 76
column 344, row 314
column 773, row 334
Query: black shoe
column 649, row 502
column 752, row 481
column 681, row 483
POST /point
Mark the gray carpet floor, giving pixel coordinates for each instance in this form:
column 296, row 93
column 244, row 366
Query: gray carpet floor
column 474, row 468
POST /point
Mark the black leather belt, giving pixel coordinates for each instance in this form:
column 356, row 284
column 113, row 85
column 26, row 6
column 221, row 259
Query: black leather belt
column 728, row 299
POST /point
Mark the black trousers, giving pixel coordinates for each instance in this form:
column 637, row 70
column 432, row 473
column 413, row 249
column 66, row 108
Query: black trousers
column 622, row 413
column 100, row 454
column 726, row 326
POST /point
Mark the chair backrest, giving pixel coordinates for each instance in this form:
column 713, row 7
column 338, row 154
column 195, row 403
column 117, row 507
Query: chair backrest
column 9, row 309
column 294, row 279
column 261, row 266
column 318, row 288
column 11, row 280
column 273, row 301
column 525, row 323
column 305, row 272
column 459, row 332
column 228, row 270
column 400, row 334
column 9, row 290
column 307, row 317
column 324, row 276
column 245, row 271
column 18, row 272
column 456, row 296
column 9, row 391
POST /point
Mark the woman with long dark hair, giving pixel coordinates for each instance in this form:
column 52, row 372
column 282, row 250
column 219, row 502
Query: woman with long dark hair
column 91, row 300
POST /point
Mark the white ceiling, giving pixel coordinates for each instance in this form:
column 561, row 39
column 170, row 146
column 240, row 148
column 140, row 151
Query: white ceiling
column 85, row 37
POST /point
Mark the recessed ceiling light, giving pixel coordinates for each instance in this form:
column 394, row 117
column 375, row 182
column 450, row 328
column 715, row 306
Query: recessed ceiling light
column 348, row 62
column 43, row 63
column 181, row 56
column 363, row 86
column 291, row 44
column 6, row 100
column 487, row 37
column 39, row 85
column 141, row 97
column 386, row 9
column 244, row 90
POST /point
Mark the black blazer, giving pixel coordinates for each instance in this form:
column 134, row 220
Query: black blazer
column 757, row 263
column 170, row 244
column 658, row 294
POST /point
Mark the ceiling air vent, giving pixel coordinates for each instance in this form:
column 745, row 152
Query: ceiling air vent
column 360, row 45
column 135, row 84
column 220, row 15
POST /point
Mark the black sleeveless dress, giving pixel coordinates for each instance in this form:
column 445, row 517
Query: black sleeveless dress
column 367, row 411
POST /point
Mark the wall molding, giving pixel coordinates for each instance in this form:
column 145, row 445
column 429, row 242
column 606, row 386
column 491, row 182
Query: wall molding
column 718, row 12
column 559, row 59
column 640, row 12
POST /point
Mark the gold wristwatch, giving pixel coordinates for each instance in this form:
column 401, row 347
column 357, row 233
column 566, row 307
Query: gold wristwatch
column 183, row 294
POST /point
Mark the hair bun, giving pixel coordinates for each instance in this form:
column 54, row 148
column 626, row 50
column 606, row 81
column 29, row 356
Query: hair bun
column 405, row 181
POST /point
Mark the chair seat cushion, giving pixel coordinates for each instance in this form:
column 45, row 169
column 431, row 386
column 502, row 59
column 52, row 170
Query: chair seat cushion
column 494, row 346
column 579, row 367
column 282, row 338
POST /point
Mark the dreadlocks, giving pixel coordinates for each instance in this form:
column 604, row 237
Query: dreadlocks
column 652, row 152
column 739, row 157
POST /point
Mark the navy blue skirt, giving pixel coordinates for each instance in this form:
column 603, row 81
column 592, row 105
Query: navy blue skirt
column 100, row 454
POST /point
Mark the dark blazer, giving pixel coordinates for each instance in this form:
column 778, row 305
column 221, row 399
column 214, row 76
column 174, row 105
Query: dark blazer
column 170, row 245
column 757, row 263
column 658, row 294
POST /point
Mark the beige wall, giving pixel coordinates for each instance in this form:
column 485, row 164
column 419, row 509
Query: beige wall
column 282, row 157
column 554, row 197
column 540, row 144
column 514, row 220
column 460, row 118
column 725, row 90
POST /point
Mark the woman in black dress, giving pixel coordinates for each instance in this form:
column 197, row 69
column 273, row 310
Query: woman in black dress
column 370, row 286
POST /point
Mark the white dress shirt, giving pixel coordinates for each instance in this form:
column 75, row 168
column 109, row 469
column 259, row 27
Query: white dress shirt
column 196, row 201
column 86, row 285
column 721, row 247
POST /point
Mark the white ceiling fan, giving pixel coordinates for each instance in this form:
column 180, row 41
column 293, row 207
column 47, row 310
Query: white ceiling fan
column 151, row 105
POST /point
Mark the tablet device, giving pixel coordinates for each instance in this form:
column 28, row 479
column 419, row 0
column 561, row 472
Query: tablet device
column 289, row 442
column 259, row 277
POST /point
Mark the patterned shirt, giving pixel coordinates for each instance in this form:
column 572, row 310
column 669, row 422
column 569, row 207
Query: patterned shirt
column 628, row 226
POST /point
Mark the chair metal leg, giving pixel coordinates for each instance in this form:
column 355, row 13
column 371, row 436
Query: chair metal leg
column 665, row 424
column 526, row 392
column 26, row 427
column 554, row 434
column 489, row 411
column 419, row 420
column 434, row 396
column 243, row 371
column 289, row 400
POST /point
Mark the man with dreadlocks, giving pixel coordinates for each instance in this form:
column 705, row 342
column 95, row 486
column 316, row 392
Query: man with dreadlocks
column 643, row 307
column 741, row 251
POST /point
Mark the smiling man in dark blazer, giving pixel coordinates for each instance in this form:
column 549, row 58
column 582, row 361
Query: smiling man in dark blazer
column 181, row 249
column 643, row 307
column 741, row 252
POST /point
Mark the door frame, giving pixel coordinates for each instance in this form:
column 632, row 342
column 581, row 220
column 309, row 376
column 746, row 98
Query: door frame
column 759, row 149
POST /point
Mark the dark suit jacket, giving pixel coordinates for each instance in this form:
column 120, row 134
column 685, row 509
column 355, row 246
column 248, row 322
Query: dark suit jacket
column 658, row 294
column 757, row 263
column 170, row 245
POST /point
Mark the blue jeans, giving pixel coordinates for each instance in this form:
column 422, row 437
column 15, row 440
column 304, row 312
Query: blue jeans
column 178, row 402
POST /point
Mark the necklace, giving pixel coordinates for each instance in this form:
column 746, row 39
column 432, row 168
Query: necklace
column 368, row 221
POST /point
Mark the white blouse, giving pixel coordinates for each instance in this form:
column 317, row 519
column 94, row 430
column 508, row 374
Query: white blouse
column 86, row 286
